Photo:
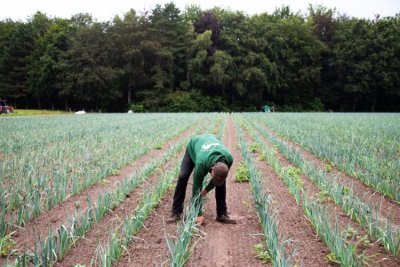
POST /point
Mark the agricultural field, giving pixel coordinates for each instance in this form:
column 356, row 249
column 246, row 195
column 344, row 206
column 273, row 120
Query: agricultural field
column 307, row 189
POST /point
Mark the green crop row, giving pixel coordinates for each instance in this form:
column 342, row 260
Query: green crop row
column 39, row 179
column 268, row 219
column 366, row 146
column 359, row 211
column 343, row 253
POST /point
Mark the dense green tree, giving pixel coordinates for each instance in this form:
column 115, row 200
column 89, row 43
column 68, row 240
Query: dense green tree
column 41, row 62
column 126, row 35
column 215, row 60
column 86, row 69
column 15, row 59
column 384, row 51
column 351, row 59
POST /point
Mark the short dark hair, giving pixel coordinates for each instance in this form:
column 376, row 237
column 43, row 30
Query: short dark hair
column 221, row 170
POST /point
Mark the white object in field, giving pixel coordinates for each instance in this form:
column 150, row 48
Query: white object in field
column 130, row 111
column 80, row 112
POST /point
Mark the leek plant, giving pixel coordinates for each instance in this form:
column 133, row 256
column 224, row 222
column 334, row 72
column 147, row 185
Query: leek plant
column 179, row 247
column 3, row 225
column 268, row 219
column 345, row 254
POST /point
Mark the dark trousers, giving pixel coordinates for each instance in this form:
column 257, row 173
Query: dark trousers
column 187, row 167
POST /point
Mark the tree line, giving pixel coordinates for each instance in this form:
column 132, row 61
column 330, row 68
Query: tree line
column 202, row 60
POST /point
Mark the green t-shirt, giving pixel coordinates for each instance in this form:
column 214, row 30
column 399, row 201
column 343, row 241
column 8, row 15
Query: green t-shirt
column 206, row 150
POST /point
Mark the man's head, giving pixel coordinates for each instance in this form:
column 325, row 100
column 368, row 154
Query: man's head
column 219, row 172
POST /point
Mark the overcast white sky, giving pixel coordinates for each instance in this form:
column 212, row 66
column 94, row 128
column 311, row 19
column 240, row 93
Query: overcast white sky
column 106, row 10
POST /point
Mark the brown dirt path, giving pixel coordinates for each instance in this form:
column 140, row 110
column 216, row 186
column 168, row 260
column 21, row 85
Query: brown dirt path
column 293, row 224
column 376, row 254
column 388, row 208
column 59, row 215
column 230, row 245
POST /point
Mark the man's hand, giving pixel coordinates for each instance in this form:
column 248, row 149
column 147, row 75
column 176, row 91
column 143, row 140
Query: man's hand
column 200, row 220
column 203, row 193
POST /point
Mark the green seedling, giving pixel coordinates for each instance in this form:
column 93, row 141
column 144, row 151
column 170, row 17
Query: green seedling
column 242, row 173
column 262, row 157
column 328, row 167
column 293, row 171
column 254, row 148
column 158, row 147
column 115, row 172
column 323, row 195
column 6, row 245
column 346, row 191
column 332, row 259
column 262, row 253
column 350, row 233
column 104, row 182
column 363, row 242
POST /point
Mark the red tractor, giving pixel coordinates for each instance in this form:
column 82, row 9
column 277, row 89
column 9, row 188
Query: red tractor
column 4, row 108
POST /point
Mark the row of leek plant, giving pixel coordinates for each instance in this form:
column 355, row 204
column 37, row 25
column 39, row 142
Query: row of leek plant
column 268, row 218
column 180, row 247
column 124, row 234
column 370, row 218
column 39, row 193
column 39, row 164
column 105, row 203
column 365, row 147
column 345, row 254
column 89, row 166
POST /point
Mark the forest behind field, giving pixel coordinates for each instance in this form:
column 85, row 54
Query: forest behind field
column 172, row 60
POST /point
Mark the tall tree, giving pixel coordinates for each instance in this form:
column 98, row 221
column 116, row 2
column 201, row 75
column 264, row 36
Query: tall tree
column 87, row 72
column 41, row 62
column 351, row 59
column 127, row 34
column 14, row 63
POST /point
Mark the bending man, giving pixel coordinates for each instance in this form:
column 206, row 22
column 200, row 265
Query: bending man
column 204, row 154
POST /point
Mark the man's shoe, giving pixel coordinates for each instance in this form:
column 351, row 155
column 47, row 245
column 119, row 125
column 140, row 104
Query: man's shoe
column 174, row 218
column 225, row 219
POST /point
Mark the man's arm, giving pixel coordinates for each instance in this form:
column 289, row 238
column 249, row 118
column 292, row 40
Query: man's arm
column 209, row 187
column 199, row 173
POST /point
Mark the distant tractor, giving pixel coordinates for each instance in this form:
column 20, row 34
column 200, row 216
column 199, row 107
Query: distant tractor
column 4, row 108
